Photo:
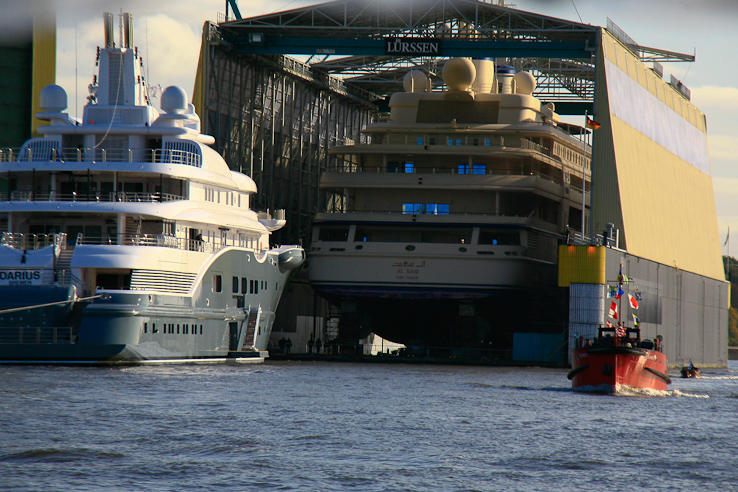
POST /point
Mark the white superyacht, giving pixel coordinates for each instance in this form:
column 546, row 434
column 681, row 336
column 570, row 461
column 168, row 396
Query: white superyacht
column 127, row 239
column 443, row 229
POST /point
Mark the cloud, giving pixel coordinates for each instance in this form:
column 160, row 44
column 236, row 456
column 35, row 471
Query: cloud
column 723, row 147
column 725, row 98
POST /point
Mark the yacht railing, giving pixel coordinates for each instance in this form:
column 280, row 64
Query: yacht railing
column 441, row 141
column 168, row 156
column 352, row 168
column 92, row 196
column 24, row 241
column 163, row 241
column 32, row 241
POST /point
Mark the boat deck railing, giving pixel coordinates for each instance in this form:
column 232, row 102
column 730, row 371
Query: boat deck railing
column 23, row 241
column 160, row 240
column 446, row 170
column 73, row 154
column 32, row 241
column 91, row 196
column 37, row 335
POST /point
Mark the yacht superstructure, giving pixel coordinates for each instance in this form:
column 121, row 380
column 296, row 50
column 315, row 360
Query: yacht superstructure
column 126, row 238
column 443, row 228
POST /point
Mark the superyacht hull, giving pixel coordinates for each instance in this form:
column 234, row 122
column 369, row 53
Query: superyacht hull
column 221, row 319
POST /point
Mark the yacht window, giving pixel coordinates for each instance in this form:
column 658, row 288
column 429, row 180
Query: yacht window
column 153, row 328
column 420, row 140
column 412, row 208
column 432, row 141
column 409, row 167
column 458, row 141
column 333, row 233
column 235, row 285
column 217, row 283
column 244, row 285
column 499, row 236
column 393, row 167
column 487, row 142
column 479, row 169
column 414, row 234
column 463, row 168
column 146, row 327
column 437, row 208
column 450, row 141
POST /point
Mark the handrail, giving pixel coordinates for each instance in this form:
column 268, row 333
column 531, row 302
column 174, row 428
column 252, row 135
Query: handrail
column 92, row 196
column 444, row 170
column 73, row 154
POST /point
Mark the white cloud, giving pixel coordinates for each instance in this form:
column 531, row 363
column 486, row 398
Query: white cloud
column 723, row 147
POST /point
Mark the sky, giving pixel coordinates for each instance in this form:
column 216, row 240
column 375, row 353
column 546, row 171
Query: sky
column 168, row 34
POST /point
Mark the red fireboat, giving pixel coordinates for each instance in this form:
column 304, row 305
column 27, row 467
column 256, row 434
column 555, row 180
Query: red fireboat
column 618, row 361
column 619, row 364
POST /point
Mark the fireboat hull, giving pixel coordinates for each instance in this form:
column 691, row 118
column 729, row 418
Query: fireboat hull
column 617, row 370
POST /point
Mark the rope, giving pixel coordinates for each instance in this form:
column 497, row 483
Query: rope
column 24, row 308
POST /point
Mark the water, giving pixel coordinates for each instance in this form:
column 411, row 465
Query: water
column 364, row 427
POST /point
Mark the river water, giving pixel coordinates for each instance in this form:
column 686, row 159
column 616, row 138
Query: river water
column 320, row 426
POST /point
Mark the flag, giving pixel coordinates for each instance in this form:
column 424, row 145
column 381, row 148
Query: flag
column 633, row 301
column 592, row 124
column 613, row 291
column 619, row 293
column 619, row 331
column 613, row 313
column 636, row 321
column 639, row 296
column 727, row 237
column 608, row 324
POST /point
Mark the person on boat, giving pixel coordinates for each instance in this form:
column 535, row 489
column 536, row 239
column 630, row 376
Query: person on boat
column 311, row 343
column 318, row 346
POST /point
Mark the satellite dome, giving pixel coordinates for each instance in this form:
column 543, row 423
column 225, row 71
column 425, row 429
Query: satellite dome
column 53, row 99
column 415, row 81
column 459, row 74
column 525, row 83
column 174, row 100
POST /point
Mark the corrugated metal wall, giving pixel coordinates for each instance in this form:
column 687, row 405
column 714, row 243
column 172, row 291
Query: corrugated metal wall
column 651, row 168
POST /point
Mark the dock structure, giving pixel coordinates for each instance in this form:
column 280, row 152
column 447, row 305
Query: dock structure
column 278, row 90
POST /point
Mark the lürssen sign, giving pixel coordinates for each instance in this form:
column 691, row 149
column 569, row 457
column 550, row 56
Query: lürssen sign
column 20, row 277
column 412, row 46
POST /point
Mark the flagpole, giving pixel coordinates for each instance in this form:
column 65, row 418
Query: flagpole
column 584, row 169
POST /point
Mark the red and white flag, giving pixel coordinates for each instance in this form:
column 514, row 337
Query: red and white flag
column 633, row 301
column 613, row 313
column 619, row 331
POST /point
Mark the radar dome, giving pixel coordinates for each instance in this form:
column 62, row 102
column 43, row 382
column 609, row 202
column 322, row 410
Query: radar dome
column 525, row 83
column 53, row 99
column 459, row 74
column 174, row 100
column 415, row 81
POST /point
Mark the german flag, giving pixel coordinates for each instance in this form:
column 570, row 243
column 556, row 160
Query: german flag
column 592, row 124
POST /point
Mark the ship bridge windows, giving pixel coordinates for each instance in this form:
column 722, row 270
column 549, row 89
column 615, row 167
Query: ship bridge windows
column 500, row 237
column 426, row 208
column 401, row 167
column 464, row 168
column 113, row 280
column 413, row 234
column 333, row 233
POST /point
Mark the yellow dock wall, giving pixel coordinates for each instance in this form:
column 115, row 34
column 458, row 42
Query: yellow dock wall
column 651, row 168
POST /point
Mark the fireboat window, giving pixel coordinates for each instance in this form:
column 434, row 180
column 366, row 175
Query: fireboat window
column 405, row 234
column 499, row 237
column 333, row 233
